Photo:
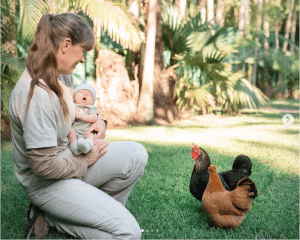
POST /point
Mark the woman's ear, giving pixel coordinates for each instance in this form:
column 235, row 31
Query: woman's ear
column 65, row 45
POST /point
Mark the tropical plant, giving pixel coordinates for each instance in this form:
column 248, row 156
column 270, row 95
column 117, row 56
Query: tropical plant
column 288, row 66
column 204, row 65
column 110, row 16
column 11, row 70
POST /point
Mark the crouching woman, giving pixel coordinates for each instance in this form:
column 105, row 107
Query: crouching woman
column 83, row 196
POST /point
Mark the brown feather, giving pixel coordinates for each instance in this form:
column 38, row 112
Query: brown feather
column 227, row 208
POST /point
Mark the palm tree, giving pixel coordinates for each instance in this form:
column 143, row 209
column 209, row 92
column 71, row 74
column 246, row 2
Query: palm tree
column 202, row 62
column 110, row 16
column 146, row 104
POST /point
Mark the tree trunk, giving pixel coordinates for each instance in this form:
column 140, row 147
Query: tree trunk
column 163, row 87
column 210, row 11
column 247, row 16
column 203, row 10
column 134, row 8
column 266, row 26
column 259, row 5
column 219, row 13
column 242, row 18
column 288, row 26
column 9, row 29
column 8, row 46
column 182, row 6
column 159, row 46
column 146, row 104
column 277, row 29
column 293, row 33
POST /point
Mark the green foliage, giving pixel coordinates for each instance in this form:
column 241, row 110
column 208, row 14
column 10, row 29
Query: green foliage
column 30, row 14
column 110, row 16
column 237, row 93
column 287, row 65
column 177, row 33
column 11, row 70
column 115, row 20
column 205, row 68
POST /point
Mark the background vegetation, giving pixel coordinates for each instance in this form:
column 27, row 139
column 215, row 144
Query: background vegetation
column 226, row 54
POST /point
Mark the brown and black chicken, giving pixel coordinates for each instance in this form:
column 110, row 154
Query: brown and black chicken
column 241, row 168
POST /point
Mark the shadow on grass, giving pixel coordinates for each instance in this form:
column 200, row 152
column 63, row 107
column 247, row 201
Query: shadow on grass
column 164, row 207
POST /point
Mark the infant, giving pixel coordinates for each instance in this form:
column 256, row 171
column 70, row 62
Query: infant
column 86, row 113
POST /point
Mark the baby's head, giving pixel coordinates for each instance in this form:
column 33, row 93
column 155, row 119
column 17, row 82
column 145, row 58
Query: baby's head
column 84, row 94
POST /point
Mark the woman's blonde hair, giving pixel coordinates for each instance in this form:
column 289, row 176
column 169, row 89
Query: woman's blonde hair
column 41, row 60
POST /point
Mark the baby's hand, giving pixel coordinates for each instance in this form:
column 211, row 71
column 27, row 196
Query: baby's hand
column 78, row 112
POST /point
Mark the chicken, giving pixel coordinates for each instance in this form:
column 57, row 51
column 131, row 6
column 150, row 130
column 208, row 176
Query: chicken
column 241, row 168
column 227, row 209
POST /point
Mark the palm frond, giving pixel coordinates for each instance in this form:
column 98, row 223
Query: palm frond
column 115, row 20
column 196, row 41
column 189, row 94
column 248, row 95
column 11, row 70
column 30, row 13
column 11, row 66
column 179, row 34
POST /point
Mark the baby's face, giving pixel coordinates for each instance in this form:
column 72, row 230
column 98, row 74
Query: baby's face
column 84, row 97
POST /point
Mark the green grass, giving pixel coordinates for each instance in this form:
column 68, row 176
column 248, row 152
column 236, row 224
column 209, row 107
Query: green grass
column 161, row 201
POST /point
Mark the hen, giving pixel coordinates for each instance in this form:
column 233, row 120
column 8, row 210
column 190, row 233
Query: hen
column 241, row 168
column 227, row 209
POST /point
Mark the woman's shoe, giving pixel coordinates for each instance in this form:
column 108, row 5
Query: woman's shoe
column 38, row 226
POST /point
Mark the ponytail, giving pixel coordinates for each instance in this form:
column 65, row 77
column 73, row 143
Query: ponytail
column 42, row 64
column 41, row 60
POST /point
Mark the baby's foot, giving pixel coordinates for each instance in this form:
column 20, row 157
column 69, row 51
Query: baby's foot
column 85, row 145
column 75, row 149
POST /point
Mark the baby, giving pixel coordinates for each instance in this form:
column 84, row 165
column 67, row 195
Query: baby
column 86, row 113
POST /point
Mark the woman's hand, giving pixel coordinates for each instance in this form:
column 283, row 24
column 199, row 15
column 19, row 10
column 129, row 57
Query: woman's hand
column 97, row 152
column 98, row 126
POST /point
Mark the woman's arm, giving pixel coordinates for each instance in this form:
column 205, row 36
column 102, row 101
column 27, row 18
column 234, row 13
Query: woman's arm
column 46, row 163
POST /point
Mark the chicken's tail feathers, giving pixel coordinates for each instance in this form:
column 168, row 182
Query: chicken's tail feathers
column 252, row 190
column 243, row 163
column 243, row 195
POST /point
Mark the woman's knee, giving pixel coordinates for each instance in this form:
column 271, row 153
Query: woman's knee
column 133, row 231
column 142, row 154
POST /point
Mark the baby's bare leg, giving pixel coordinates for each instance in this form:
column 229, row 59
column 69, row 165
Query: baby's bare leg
column 90, row 135
column 72, row 137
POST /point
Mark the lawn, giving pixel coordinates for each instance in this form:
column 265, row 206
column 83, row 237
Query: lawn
column 161, row 201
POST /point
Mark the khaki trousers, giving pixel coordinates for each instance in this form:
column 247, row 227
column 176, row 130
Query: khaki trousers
column 94, row 207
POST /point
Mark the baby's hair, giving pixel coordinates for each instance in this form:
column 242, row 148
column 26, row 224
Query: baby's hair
column 41, row 60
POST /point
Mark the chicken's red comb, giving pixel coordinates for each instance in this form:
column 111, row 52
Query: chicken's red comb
column 195, row 151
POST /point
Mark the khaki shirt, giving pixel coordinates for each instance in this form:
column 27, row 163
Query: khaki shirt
column 42, row 132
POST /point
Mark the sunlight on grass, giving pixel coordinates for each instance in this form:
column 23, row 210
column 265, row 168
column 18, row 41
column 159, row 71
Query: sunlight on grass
column 266, row 139
column 161, row 201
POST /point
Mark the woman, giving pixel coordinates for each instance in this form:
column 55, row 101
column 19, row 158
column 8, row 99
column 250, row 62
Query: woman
column 83, row 196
